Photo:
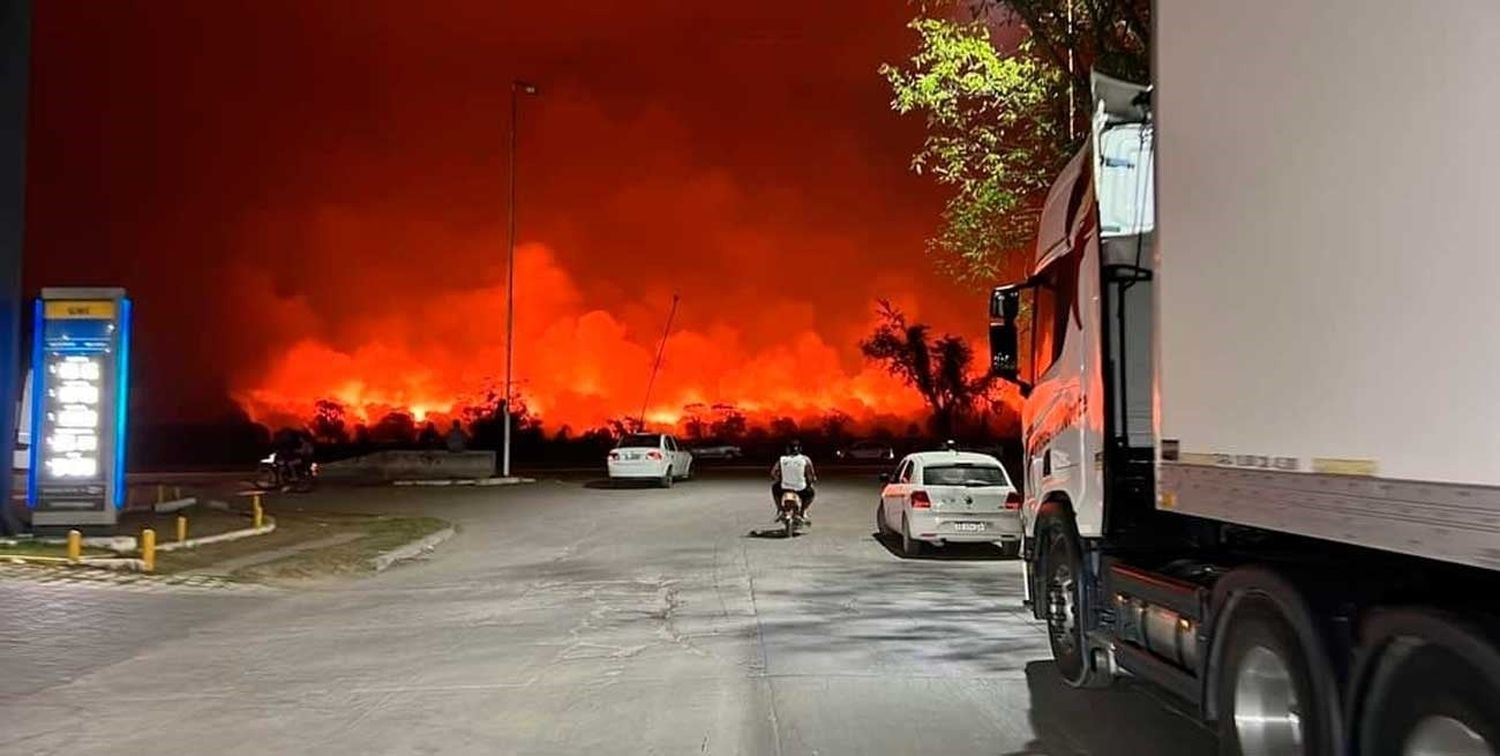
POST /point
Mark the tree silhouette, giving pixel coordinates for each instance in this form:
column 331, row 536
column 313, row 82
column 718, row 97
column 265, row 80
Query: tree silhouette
column 938, row 368
column 395, row 429
column 328, row 424
column 730, row 425
column 694, row 426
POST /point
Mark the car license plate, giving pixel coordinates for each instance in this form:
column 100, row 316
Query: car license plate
column 969, row 527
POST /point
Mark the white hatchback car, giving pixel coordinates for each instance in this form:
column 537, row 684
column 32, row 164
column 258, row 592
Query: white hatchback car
column 650, row 456
column 941, row 497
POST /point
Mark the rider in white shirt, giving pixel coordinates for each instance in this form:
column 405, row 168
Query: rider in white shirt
column 794, row 472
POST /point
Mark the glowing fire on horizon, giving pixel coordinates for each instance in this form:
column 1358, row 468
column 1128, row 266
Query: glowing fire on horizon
column 576, row 366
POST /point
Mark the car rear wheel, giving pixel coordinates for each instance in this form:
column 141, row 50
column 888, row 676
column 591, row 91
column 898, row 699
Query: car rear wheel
column 666, row 480
column 880, row 526
column 910, row 546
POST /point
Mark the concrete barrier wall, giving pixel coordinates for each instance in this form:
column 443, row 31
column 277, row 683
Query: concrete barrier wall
column 411, row 465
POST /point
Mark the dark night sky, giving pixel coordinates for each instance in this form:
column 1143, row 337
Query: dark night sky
column 263, row 174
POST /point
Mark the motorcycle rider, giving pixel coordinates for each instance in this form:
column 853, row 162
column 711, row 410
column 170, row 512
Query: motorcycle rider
column 294, row 453
column 794, row 472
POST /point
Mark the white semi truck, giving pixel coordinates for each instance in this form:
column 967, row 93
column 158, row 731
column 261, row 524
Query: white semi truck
column 1259, row 349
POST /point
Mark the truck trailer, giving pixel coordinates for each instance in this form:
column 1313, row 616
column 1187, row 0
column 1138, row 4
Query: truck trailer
column 1258, row 347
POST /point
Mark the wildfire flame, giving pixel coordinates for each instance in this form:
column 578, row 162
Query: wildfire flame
column 575, row 365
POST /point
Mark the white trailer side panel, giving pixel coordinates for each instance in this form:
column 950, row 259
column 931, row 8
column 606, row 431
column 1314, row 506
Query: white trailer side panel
column 1328, row 267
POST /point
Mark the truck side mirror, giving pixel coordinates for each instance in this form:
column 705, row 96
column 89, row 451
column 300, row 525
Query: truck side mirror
column 1005, row 305
column 1003, row 351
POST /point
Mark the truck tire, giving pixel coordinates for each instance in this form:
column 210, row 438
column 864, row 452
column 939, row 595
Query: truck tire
column 1429, row 700
column 1063, row 598
column 1265, row 697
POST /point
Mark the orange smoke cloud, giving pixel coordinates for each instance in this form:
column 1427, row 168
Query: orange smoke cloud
column 574, row 365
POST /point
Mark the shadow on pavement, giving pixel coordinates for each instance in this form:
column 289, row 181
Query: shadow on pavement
column 776, row 532
column 969, row 552
column 1129, row 718
column 610, row 484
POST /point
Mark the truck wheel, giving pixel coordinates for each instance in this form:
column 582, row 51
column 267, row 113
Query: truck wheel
column 1063, row 597
column 1265, row 697
column 1431, row 701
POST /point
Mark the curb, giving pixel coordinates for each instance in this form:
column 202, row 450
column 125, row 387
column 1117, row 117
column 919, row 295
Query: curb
column 233, row 535
column 116, row 544
column 176, row 505
column 382, row 562
column 465, row 482
column 115, row 563
column 104, row 563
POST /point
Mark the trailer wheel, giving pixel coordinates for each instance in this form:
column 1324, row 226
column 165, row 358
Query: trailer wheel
column 1429, row 701
column 1266, row 702
column 1062, row 599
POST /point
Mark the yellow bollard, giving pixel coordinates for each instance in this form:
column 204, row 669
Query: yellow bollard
column 181, row 528
column 75, row 546
column 148, row 550
column 257, row 512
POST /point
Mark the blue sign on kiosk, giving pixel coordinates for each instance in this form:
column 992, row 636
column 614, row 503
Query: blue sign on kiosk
column 80, row 362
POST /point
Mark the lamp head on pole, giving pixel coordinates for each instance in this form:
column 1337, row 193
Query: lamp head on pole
column 523, row 87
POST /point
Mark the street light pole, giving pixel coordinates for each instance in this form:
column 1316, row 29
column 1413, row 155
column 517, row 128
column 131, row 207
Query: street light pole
column 517, row 88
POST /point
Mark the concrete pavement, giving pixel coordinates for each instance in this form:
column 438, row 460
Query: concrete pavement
column 566, row 618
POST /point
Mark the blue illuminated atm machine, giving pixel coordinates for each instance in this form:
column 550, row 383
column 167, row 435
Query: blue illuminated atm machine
column 80, row 362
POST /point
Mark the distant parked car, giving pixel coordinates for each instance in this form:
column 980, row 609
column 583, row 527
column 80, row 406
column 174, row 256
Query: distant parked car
column 717, row 451
column 866, row 451
column 650, row 456
column 942, row 497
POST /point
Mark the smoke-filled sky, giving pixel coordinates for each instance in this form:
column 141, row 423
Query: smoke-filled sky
column 307, row 199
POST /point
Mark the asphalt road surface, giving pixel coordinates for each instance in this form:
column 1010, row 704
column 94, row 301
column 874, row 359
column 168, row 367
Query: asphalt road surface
column 566, row 618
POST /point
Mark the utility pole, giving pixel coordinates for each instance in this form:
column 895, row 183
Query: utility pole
column 1072, row 115
column 517, row 88
column 15, row 58
column 661, row 349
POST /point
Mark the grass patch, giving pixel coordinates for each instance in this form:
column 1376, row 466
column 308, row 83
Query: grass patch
column 376, row 535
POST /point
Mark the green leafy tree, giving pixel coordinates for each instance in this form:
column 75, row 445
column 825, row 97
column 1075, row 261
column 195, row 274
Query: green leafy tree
column 1002, row 122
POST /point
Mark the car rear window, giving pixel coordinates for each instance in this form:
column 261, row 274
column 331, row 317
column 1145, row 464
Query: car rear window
column 641, row 441
column 964, row 475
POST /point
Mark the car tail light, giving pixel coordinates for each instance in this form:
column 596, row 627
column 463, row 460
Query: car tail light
column 1013, row 500
column 653, row 454
column 919, row 500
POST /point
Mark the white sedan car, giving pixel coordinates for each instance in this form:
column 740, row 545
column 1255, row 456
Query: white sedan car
column 650, row 457
column 941, row 497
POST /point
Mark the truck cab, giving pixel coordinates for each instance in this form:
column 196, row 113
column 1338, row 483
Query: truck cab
column 1075, row 335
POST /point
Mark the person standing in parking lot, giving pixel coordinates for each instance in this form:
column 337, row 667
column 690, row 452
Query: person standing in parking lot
column 794, row 472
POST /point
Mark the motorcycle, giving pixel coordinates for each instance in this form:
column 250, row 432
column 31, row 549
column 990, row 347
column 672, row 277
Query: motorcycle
column 790, row 512
column 278, row 473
